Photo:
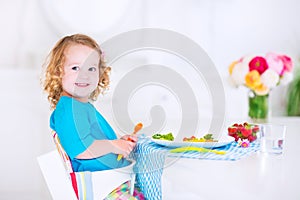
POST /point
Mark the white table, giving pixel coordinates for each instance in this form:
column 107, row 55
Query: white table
column 255, row 177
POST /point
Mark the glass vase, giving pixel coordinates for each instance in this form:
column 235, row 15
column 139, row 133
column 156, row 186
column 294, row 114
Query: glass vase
column 259, row 111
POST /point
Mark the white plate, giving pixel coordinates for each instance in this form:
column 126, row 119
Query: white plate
column 220, row 143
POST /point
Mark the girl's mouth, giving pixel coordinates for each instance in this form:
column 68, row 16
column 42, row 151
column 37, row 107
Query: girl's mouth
column 82, row 84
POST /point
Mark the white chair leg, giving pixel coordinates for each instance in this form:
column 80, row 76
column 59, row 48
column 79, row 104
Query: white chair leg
column 132, row 184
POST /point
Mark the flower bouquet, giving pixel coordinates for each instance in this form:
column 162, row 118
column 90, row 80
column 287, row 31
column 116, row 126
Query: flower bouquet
column 260, row 74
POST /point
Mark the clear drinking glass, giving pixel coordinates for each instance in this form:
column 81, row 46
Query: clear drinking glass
column 272, row 138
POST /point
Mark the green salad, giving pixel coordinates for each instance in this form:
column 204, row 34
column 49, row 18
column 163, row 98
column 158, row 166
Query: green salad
column 160, row 136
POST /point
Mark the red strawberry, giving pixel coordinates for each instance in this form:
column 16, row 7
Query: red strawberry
column 246, row 132
column 251, row 138
column 232, row 130
column 236, row 137
column 255, row 129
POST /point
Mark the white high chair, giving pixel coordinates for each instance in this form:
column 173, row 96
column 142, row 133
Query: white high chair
column 64, row 184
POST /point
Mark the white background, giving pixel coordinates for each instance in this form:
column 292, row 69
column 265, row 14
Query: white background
column 225, row 29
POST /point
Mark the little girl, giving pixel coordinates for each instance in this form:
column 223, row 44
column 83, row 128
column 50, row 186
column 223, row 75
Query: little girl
column 75, row 75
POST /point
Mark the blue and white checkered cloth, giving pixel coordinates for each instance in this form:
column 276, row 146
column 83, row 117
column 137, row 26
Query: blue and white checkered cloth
column 148, row 168
column 233, row 152
column 150, row 158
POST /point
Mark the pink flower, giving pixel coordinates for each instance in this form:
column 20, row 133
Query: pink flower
column 287, row 64
column 244, row 144
column 275, row 62
column 259, row 64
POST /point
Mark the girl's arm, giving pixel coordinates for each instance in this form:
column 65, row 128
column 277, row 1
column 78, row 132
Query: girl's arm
column 101, row 147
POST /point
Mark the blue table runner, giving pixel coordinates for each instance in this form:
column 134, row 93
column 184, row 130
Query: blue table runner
column 150, row 159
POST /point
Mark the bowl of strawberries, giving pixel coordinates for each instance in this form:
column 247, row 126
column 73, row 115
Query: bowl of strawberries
column 244, row 131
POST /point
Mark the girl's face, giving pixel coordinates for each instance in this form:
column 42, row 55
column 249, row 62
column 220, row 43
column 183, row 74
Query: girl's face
column 81, row 71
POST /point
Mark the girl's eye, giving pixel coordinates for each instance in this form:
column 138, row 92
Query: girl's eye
column 92, row 69
column 75, row 68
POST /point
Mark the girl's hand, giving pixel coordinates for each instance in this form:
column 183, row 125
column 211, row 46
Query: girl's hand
column 123, row 147
column 132, row 138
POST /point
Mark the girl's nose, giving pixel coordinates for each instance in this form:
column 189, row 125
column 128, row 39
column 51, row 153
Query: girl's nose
column 83, row 75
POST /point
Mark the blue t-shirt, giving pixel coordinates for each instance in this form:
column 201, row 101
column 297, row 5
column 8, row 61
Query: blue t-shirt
column 78, row 125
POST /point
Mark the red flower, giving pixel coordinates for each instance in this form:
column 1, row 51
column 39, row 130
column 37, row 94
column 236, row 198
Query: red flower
column 259, row 64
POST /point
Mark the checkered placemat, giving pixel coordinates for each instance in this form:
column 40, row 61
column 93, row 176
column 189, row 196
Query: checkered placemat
column 233, row 152
column 150, row 158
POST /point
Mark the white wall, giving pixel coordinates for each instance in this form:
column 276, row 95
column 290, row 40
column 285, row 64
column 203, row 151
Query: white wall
column 225, row 29
column 24, row 134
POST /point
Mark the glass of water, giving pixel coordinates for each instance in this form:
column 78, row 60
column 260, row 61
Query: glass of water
column 272, row 138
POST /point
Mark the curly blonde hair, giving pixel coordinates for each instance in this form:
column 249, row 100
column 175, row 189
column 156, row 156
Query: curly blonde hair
column 55, row 68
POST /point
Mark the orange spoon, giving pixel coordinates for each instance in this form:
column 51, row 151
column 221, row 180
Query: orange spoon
column 137, row 128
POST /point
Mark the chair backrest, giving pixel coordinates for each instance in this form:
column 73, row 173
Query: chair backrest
column 55, row 175
column 66, row 162
column 64, row 156
column 57, row 170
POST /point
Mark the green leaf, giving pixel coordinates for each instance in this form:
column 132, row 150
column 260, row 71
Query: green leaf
column 293, row 100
